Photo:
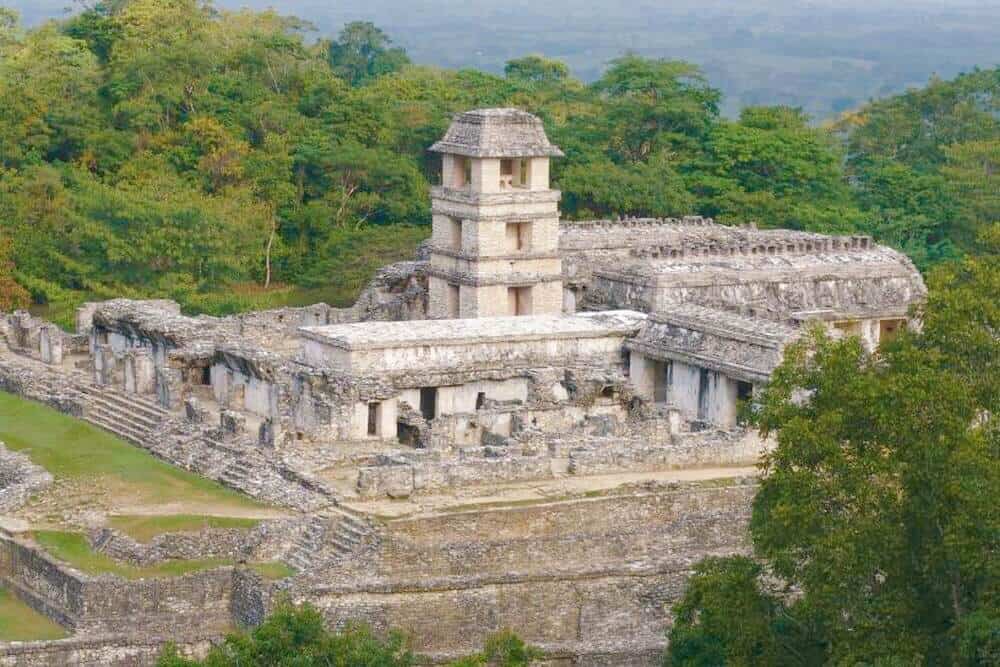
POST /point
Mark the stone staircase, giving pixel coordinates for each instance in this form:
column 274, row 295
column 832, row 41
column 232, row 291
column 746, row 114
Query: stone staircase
column 131, row 417
column 327, row 538
column 308, row 544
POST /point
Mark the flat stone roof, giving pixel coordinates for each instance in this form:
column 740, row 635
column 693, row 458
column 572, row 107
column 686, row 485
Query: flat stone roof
column 379, row 335
column 503, row 133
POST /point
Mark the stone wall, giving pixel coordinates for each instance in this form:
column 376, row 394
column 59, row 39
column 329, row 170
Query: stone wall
column 106, row 604
column 587, row 578
column 97, row 651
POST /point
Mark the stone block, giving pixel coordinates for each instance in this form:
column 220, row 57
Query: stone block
column 231, row 422
column 194, row 412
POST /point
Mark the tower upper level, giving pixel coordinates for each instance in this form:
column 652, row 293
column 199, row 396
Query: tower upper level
column 495, row 150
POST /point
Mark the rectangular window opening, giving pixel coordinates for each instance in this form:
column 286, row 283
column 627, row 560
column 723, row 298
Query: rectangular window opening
column 519, row 300
column 518, row 236
column 480, row 400
column 206, row 376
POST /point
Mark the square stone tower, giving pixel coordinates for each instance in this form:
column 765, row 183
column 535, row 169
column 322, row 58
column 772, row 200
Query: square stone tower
column 496, row 221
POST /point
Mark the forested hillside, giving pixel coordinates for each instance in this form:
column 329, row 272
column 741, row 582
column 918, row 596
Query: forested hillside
column 163, row 147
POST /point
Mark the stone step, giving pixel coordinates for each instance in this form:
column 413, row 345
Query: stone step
column 341, row 546
column 356, row 532
column 129, row 401
column 131, row 436
column 125, row 415
column 120, row 419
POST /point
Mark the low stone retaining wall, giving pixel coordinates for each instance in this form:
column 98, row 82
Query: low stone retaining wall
column 98, row 651
column 399, row 480
column 228, row 543
column 19, row 479
column 107, row 604
column 686, row 450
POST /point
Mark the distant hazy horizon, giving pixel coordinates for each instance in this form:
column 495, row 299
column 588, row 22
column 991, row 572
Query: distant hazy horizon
column 822, row 55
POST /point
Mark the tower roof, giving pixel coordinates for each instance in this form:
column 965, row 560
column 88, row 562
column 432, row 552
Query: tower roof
column 503, row 133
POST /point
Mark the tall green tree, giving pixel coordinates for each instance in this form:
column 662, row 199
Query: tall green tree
column 363, row 52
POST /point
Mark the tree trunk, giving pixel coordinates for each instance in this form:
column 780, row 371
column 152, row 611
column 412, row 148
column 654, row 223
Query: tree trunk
column 267, row 254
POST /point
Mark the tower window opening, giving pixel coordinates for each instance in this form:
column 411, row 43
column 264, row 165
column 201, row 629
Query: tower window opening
column 506, row 174
column 480, row 400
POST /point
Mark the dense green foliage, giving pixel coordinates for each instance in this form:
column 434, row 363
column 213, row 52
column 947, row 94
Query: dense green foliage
column 164, row 147
column 297, row 635
column 825, row 56
column 878, row 510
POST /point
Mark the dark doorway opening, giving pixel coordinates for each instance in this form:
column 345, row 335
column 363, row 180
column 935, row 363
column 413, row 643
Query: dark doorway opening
column 702, row 393
column 428, row 402
column 373, row 418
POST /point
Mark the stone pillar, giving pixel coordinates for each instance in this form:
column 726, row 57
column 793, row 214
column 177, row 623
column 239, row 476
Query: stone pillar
column 140, row 372
column 642, row 372
column 194, row 412
column 231, row 422
column 269, row 433
column 104, row 364
column 169, row 387
column 25, row 331
column 50, row 344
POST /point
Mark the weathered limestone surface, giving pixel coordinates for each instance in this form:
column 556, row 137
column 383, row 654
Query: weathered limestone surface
column 582, row 576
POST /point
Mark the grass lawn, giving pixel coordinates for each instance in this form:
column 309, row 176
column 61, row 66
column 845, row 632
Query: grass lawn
column 19, row 622
column 73, row 549
column 145, row 528
column 273, row 569
column 70, row 448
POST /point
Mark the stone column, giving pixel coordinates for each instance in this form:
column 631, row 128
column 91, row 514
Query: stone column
column 642, row 372
column 169, row 387
column 104, row 364
column 50, row 344
column 140, row 372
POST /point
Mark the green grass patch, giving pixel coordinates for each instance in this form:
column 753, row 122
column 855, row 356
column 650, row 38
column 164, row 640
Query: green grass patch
column 21, row 623
column 273, row 569
column 74, row 550
column 71, row 448
column 145, row 528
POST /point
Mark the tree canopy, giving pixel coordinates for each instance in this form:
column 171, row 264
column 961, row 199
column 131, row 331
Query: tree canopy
column 170, row 148
column 297, row 635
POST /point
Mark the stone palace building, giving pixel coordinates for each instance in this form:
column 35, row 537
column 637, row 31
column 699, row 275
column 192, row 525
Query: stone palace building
column 536, row 424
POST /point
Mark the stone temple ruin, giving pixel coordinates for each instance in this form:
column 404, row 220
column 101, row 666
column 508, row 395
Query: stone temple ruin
column 536, row 424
